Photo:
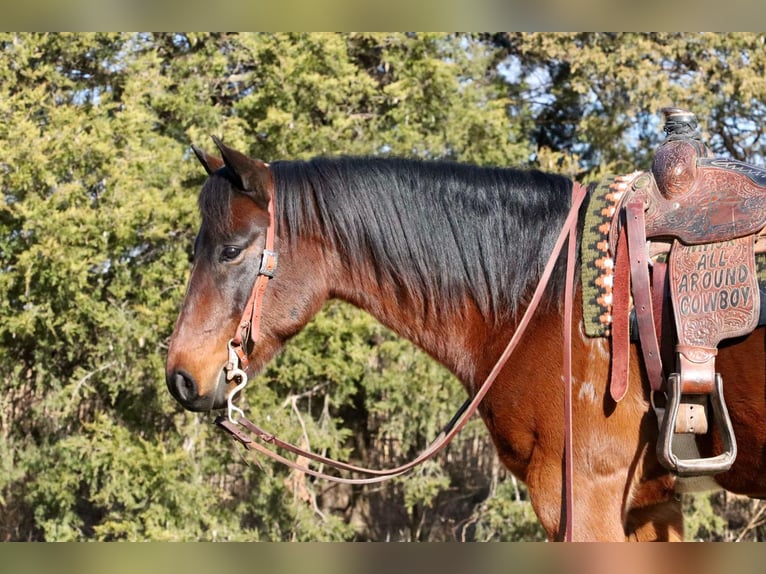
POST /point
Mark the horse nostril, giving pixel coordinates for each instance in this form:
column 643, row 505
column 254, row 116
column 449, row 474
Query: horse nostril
column 182, row 387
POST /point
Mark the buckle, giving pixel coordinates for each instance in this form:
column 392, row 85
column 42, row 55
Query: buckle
column 269, row 260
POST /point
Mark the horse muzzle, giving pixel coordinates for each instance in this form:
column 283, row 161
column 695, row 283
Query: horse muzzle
column 186, row 390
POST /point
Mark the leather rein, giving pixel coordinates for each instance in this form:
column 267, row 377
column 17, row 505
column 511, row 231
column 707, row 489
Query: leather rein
column 248, row 331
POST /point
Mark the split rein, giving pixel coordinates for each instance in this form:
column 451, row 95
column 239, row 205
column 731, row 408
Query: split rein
column 248, row 330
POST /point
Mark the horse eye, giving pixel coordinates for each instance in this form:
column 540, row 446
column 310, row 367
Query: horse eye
column 230, row 253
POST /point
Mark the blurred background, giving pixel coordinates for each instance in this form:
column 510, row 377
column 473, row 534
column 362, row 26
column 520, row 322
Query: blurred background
column 98, row 216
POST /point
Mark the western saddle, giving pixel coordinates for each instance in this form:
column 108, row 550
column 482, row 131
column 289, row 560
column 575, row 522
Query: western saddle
column 684, row 239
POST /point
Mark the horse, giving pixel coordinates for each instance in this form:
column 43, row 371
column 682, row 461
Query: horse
column 447, row 254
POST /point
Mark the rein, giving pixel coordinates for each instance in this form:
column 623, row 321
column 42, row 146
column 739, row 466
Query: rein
column 247, row 433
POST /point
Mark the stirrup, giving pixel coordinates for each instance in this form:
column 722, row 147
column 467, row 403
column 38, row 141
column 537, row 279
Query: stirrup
column 696, row 466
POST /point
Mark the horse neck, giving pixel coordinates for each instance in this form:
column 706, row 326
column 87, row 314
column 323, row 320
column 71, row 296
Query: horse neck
column 457, row 336
column 374, row 274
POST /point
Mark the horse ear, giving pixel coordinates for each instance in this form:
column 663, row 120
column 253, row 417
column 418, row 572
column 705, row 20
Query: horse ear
column 254, row 174
column 209, row 162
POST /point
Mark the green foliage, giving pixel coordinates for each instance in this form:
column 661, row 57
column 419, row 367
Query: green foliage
column 701, row 521
column 507, row 516
column 98, row 215
column 724, row 517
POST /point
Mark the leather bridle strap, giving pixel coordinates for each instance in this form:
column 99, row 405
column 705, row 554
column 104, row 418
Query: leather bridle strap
column 248, row 433
column 250, row 324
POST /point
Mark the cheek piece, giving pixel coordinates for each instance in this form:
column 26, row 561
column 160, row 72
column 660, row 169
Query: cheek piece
column 250, row 324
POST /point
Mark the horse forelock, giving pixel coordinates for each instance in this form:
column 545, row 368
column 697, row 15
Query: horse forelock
column 215, row 202
column 438, row 231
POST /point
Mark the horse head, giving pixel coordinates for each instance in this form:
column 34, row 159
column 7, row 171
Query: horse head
column 228, row 252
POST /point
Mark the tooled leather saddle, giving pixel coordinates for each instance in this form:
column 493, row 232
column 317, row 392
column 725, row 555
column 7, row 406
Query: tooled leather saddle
column 683, row 240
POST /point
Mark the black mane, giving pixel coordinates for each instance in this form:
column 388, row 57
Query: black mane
column 435, row 231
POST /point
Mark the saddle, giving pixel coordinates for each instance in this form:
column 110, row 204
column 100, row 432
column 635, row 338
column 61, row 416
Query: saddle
column 683, row 239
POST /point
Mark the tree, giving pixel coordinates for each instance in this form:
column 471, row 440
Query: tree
column 98, row 218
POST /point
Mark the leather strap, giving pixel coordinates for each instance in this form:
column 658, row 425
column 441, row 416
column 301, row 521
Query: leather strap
column 618, row 379
column 663, row 320
column 567, row 368
column 642, row 293
column 254, row 433
column 250, row 323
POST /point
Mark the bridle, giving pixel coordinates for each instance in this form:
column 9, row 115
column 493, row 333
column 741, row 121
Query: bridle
column 248, row 331
column 249, row 328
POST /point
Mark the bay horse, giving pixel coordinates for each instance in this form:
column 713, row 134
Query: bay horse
column 446, row 255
